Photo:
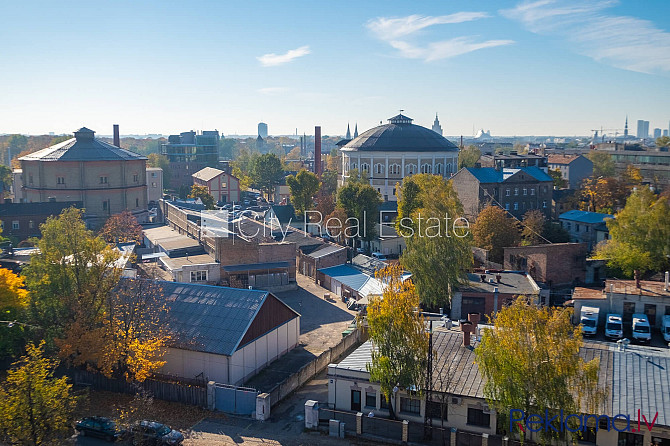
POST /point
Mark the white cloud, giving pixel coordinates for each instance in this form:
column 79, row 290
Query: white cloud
column 393, row 28
column 272, row 90
column 393, row 31
column 445, row 49
column 271, row 60
column 621, row 41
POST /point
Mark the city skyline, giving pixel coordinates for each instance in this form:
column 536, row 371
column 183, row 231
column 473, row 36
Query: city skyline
column 516, row 68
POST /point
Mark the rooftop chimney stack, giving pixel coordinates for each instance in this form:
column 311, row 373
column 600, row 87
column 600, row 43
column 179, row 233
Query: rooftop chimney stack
column 467, row 329
column 317, row 150
column 117, row 138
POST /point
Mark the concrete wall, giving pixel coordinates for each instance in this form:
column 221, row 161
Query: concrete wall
column 154, row 184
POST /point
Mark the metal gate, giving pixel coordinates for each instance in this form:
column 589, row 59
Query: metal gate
column 237, row 400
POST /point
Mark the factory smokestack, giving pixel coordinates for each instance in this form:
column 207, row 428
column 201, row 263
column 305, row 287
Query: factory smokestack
column 317, row 150
column 117, row 138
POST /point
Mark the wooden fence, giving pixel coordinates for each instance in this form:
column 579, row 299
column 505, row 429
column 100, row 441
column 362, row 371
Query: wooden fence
column 192, row 393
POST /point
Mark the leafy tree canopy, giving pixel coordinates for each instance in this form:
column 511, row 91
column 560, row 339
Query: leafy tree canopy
column 303, row 186
column 494, row 230
column 203, row 193
column 603, row 164
column 266, row 172
column 122, row 228
column 361, row 201
column 468, row 156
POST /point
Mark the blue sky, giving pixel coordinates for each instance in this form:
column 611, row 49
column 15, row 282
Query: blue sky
column 516, row 68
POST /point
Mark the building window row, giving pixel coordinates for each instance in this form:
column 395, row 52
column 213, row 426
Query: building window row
column 199, row 276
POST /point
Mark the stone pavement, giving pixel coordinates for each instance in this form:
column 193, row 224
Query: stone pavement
column 321, row 325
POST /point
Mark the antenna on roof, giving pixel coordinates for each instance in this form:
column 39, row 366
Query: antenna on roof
column 401, row 110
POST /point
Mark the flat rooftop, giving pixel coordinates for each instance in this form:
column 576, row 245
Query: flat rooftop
column 511, row 282
column 180, row 262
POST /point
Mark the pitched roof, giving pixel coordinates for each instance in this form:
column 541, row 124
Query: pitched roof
column 563, row 159
column 83, row 147
column 211, row 319
column 326, row 250
column 207, row 173
column 493, row 175
column 45, row 208
column 584, row 216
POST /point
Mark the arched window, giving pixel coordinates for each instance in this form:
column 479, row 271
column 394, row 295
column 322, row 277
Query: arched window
column 354, row 166
column 426, row 168
column 379, row 169
column 410, row 169
column 438, row 169
column 394, row 169
column 365, row 167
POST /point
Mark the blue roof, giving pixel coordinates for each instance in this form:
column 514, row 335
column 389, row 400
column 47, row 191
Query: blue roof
column 584, row 216
column 493, row 175
column 209, row 318
column 347, row 275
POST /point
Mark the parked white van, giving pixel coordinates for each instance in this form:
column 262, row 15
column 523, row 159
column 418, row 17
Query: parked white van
column 614, row 326
column 666, row 328
column 641, row 328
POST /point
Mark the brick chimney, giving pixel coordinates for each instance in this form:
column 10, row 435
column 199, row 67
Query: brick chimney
column 317, row 150
column 474, row 319
column 117, row 138
column 467, row 329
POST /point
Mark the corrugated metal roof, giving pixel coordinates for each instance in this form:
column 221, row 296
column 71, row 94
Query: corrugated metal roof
column 493, row 175
column 328, row 249
column 347, row 275
column 83, row 148
column 584, row 216
column 210, row 319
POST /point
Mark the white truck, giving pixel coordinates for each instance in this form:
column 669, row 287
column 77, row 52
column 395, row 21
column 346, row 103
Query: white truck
column 666, row 328
column 589, row 320
column 641, row 328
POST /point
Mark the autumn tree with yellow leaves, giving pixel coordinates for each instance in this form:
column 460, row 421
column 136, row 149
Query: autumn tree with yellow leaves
column 398, row 335
column 87, row 314
column 35, row 407
column 530, row 361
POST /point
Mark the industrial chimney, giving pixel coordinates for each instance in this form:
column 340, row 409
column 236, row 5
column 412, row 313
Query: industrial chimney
column 117, row 138
column 317, row 150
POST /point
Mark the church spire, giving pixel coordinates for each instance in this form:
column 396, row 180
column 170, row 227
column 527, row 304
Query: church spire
column 348, row 132
column 356, row 131
column 437, row 128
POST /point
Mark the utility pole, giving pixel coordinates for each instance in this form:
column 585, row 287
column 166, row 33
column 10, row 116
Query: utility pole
column 428, row 418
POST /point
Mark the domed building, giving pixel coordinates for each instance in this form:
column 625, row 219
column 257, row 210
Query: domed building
column 105, row 178
column 388, row 153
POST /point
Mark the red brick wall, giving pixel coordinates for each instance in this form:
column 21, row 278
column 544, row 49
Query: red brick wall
column 558, row 263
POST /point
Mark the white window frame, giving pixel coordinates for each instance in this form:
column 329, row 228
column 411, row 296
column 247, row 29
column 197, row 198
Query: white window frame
column 426, row 168
column 198, row 276
column 365, row 167
column 379, row 169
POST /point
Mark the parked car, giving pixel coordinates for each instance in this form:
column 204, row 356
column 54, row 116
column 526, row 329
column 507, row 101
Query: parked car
column 100, row 427
column 614, row 326
column 379, row 256
column 154, row 433
column 641, row 328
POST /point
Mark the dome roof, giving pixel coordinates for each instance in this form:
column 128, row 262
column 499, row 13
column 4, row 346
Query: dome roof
column 83, row 147
column 400, row 135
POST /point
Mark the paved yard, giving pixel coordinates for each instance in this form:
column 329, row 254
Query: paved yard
column 321, row 325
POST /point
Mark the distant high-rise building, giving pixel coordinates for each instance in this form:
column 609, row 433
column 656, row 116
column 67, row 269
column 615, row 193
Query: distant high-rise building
column 642, row 129
column 437, row 128
column 625, row 128
column 348, row 135
column 657, row 133
column 262, row 130
column 665, row 132
column 356, row 131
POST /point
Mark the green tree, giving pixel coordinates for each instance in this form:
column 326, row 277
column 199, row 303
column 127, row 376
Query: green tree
column 398, row 336
column 203, row 193
column 603, row 164
column 557, row 176
column 266, row 172
column 6, row 180
column 555, row 233
column 438, row 252
column 469, row 156
column 361, row 202
column 329, row 182
column 663, row 141
column 640, row 235
column 157, row 160
column 494, row 230
column 530, row 361
column 70, row 278
column 303, row 186
column 533, row 226
column 35, row 407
